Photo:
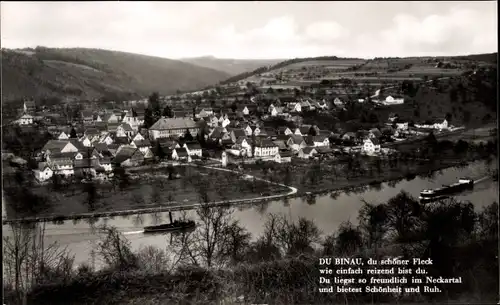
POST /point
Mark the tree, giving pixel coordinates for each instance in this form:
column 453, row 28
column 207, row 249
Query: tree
column 91, row 191
column 159, row 151
column 72, row 134
column 149, row 120
column 154, row 104
column 187, row 136
column 167, row 112
column 217, row 241
column 115, row 250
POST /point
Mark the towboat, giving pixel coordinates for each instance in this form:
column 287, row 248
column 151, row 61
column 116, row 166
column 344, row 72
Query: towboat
column 177, row 225
column 461, row 185
column 432, row 199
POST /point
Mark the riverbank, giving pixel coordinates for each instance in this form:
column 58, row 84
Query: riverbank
column 354, row 186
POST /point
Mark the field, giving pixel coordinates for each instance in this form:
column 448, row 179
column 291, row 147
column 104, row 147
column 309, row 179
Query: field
column 148, row 189
column 331, row 64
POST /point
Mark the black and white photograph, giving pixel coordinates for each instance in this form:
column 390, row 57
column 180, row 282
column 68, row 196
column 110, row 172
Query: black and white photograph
column 251, row 152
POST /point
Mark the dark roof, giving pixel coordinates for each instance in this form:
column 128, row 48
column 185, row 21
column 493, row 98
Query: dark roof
column 181, row 152
column 126, row 127
column 238, row 132
column 296, row 139
column 192, row 146
column 260, row 142
column 309, row 140
column 308, row 150
column 55, row 145
column 142, row 143
column 174, row 123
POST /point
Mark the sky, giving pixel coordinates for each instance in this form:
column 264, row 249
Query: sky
column 256, row 29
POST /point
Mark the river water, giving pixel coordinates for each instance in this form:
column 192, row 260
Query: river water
column 327, row 213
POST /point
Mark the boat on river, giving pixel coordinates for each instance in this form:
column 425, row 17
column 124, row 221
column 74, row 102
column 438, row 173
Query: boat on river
column 432, row 194
column 177, row 225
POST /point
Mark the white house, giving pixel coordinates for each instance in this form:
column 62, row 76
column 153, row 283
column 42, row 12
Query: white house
column 244, row 110
column 193, row 149
column 307, row 152
column 86, row 141
column 295, row 107
column 436, row 124
column 243, row 145
column 106, row 164
column 106, row 139
column 248, row 130
column 26, row 119
column 43, row 172
column 296, row 142
column 321, row 140
column 138, row 137
column 63, row 136
column 402, row 126
column 283, row 157
column 265, row 148
column 124, row 130
column 337, row 102
column 371, row 146
column 393, row 101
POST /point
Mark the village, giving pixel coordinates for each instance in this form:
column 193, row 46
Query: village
column 221, row 126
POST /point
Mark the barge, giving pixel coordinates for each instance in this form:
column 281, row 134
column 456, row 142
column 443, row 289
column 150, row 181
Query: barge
column 177, row 225
column 432, row 194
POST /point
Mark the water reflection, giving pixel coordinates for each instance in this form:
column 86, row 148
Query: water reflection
column 262, row 207
column 311, row 200
column 156, row 218
column 138, row 220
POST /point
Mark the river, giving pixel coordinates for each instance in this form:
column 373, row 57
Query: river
column 327, row 213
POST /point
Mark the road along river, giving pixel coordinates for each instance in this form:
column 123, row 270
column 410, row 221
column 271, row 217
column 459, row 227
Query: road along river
column 326, row 212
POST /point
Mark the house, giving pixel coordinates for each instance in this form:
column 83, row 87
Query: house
column 124, row 130
column 193, row 149
column 402, row 126
column 25, row 119
column 283, row 130
column 132, row 119
column 181, row 154
column 87, row 117
column 138, row 137
column 265, row 148
column 393, row 101
column 172, row 127
column 281, row 144
column 107, row 139
column 283, row 156
column 243, row 145
column 63, row 136
column 338, row 102
column 303, row 130
column 269, row 132
column 224, row 121
column 142, row 145
column 243, row 109
column 321, row 140
column 371, row 146
column 43, row 172
column 237, row 133
column 128, row 156
column 86, row 141
column 58, row 146
column 349, row 136
column 205, row 112
column 435, row 124
column 393, row 117
column 307, row 152
column 106, row 164
column 212, row 121
column 294, row 107
column 111, row 118
column 255, row 130
column 248, row 130
column 296, row 142
column 374, row 133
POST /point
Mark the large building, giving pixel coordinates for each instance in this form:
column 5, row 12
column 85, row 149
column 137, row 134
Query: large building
column 172, row 127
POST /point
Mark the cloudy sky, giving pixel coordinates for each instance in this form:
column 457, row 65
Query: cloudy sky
column 256, row 29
